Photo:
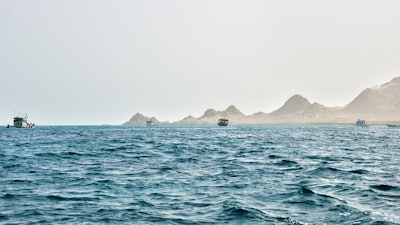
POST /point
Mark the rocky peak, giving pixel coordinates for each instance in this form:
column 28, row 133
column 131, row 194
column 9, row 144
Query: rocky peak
column 297, row 100
column 210, row 112
column 189, row 117
column 139, row 119
column 380, row 99
column 295, row 104
column 232, row 110
column 138, row 115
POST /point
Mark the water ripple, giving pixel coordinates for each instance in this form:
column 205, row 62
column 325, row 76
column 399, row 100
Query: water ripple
column 200, row 175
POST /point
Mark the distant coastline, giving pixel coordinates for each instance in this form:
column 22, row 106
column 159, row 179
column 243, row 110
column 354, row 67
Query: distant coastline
column 378, row 105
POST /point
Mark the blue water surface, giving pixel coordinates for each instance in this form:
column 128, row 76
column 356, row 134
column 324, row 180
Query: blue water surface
column 200, row 175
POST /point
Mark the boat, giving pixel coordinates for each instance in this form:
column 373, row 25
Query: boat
column 360, row 123
column 392, row 125
column 223, row 122
column 149, row 123
column 22, row 122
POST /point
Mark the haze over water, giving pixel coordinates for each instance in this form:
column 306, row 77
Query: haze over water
column 200, row 175
column 94, row 62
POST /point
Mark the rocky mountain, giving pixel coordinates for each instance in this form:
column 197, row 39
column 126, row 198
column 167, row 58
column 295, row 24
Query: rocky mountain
column 139, row 119
column 377, row 105
column 211, row 116
column 296, row 110
column 296, row 104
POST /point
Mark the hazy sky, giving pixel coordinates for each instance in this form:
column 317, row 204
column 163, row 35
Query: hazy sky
column 100, row 62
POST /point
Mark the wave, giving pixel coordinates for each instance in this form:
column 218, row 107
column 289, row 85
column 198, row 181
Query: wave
column 233, row 211
column 327, row 171
column 306, row 191
column 79, row 199
column 47, row 154
column 186, row 175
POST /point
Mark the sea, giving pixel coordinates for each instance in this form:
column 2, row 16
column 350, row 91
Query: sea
column 200, row 175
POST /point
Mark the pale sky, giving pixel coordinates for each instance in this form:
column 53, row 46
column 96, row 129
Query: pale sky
column 67, row 62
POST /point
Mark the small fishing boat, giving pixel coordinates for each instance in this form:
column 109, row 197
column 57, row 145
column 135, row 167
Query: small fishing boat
column 360, row 123
column 393, row 125
column 149, row 123
column 22, row 122
column 223, row 122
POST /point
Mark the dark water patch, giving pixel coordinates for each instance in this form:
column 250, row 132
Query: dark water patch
column 47, row 154
column 332, row 169
column 22, row 144
column 150, row 142
column 198, row 204
column 8, row 197
column 106, row 181
column 34, row 214
column 286, row 162
column 307, row 202
column 141, row 203
column 157, row 195
column 11, row 165
column 382, row 223
column 274, row 156
column 19, row 181
column 108, row 149
column 323, row 158
column 293, row 168
column 359, row 171
column 165, row 169
column 188, row 160
column 3, row 217
column 117, row 141
column 127, row 147
column 384, row 187
column 56, row 198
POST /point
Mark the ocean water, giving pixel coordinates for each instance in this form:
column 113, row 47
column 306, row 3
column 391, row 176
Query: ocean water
column 200, row 175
